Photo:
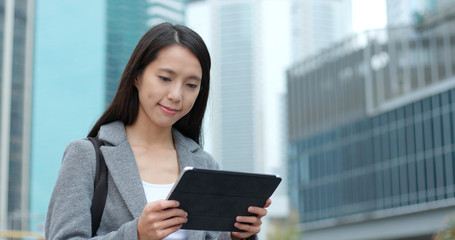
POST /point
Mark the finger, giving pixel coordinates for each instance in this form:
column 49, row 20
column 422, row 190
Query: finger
column 161, row 204
column 249, row 219
column 165, row 204
column 249, row 229
column 268, row 203
column 171, row 222
column 151, row 214
column 260, row 212
column 168, row 231
column 170, row 213
column 155, row 217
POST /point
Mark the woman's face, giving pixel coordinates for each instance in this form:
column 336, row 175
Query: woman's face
column 169, row 86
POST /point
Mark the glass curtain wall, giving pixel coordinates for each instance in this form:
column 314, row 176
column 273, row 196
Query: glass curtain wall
column 371, row 124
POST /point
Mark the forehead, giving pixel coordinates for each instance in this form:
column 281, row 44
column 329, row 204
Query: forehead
column 177, row 60
column 176, row 54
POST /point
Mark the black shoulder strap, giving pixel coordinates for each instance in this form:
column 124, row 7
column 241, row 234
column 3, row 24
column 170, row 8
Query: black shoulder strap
column 100, row 186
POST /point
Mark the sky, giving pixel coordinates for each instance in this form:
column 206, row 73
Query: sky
column 368, row 14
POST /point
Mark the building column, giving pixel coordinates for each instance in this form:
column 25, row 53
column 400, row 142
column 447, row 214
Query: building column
column 5, row 119
column 27, row 111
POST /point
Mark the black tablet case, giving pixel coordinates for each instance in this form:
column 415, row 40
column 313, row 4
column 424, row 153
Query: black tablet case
column 214, row 198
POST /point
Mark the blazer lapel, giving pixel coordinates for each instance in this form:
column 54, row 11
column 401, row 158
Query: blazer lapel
column 123, row 169
column 185, row 150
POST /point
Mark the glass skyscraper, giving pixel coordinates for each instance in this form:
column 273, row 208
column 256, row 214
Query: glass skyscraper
column 407, row 12
column 68, row 89
column 236, row 96
column 318, row 24
column 371, row 135
column 16, row 49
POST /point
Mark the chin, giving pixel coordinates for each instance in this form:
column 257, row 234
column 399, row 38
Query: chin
column 166, row 124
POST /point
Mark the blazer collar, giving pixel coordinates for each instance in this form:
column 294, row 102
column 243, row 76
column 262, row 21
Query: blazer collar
column 122, row 166
column 114, row 133
column 186, row 150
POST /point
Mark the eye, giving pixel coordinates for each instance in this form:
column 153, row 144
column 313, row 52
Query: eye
column 164, row 78
column 192, row 85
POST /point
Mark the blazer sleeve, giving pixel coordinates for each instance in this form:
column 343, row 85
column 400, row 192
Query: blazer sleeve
column 68, row 215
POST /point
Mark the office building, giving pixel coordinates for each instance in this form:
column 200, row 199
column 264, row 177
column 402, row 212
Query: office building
column 246, row 107
column 318, row 24
column 408, row 12
column 236, row 97
column 68, row 89
column 371, row 143
column 16, row 51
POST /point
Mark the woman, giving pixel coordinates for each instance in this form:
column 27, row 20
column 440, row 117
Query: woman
column 152, row 131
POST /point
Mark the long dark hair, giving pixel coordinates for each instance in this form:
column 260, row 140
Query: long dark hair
column 125, row 105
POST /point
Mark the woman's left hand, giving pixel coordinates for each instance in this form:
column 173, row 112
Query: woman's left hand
column 251, row 224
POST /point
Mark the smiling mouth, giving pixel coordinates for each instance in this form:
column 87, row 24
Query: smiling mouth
column 168, row 110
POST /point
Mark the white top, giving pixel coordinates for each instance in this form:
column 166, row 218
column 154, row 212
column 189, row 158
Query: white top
column 154, row 192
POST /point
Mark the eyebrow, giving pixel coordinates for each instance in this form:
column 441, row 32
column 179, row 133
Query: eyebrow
column 172, row 72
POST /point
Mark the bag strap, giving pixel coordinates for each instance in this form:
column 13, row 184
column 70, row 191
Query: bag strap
column 100, row 186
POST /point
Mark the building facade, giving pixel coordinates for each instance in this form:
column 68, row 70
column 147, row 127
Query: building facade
column 68, row 90
column 16, row 50
column 371, row 135
column 236, row 98
column 408, row 12
column 318, row 24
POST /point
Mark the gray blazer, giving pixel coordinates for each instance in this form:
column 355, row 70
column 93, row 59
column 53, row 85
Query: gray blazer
column 68, row 215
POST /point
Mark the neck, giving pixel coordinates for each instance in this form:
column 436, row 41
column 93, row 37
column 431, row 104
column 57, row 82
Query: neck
column 140, row 133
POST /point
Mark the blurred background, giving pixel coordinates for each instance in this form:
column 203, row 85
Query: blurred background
column 352, row 102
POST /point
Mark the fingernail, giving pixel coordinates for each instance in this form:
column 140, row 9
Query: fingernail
column 251, row 209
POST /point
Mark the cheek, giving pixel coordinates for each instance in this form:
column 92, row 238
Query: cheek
column 147, row 93
column 191, row 102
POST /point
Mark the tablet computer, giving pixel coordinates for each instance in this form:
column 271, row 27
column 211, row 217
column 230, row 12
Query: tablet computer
column 214, row 198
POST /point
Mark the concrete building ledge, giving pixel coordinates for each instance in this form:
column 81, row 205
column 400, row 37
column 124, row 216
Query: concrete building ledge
column 385, row 224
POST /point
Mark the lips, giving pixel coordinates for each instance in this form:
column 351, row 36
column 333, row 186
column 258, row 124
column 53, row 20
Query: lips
column 168, row 110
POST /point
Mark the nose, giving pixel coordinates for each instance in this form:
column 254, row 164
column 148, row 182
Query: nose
column 175, row 92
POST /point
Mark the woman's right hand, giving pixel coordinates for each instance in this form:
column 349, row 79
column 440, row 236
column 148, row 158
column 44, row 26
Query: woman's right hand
column 159, row 219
